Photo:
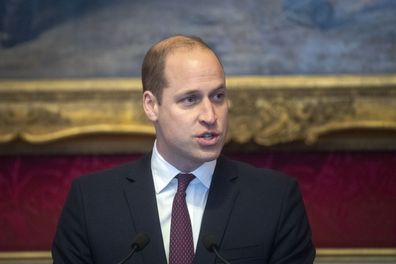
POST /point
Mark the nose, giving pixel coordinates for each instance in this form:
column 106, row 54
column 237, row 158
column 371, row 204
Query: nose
column 208, row 114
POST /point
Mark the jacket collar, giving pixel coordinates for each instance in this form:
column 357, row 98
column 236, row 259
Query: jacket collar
column 140, row 195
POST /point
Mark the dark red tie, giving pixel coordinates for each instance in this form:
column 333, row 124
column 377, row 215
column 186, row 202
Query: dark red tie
column 181, row 246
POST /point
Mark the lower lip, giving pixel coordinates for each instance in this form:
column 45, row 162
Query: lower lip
column 208, row 141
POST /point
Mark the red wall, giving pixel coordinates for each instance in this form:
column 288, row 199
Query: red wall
column 350, row 196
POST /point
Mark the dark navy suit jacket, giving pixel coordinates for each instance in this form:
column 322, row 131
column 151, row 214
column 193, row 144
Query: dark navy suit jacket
column 257, row 216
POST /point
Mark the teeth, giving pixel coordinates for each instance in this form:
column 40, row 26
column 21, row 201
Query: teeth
column 207, row 136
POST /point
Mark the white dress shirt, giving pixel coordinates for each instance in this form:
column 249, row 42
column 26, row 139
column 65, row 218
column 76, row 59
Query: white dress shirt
column 165, row 185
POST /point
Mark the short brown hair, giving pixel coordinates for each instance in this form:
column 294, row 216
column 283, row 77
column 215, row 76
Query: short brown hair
column 153, row 67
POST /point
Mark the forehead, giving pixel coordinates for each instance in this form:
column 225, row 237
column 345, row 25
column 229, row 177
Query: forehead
column 184, row 66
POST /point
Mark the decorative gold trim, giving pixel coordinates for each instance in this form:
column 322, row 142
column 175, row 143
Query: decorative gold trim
column 264, row 110
column 356, row 252
column 75, row 131
column 356, row 255
column 312, row 82
column 70, row 85
column 14, row 255
column 282, row 109
column 321, row 252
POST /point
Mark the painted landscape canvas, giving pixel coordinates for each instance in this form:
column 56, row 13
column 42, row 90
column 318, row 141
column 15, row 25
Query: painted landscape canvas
column 97, row 38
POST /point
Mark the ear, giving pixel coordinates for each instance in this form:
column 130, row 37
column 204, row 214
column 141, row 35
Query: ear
column 150, row 105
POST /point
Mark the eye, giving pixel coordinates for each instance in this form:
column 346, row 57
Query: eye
column 219, row 96
column 189, row 100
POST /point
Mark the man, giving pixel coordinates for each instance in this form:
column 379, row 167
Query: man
column 254, row 215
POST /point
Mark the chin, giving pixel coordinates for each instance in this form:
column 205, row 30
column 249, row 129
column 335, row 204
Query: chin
column 209, row 156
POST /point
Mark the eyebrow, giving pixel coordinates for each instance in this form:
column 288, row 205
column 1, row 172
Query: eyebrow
column 196, row 91
column 220, row 88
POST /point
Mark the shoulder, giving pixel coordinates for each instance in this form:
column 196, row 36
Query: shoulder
column 254, row 177
column 117, row 174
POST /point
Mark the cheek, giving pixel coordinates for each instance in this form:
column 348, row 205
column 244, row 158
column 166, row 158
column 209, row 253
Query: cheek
column 176, row 123
column 223, row 113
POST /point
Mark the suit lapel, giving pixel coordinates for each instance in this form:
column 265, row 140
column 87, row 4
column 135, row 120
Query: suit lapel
column 140, row 194
column 221, row 199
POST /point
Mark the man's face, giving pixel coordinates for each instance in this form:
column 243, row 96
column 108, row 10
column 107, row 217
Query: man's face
column 191, row 121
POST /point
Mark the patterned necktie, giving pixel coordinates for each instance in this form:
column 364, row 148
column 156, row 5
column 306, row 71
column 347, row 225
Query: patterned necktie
column 181, row 246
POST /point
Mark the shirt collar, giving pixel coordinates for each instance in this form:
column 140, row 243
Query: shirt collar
column 164, row 172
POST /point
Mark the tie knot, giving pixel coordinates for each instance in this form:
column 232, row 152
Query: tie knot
column 183, row 180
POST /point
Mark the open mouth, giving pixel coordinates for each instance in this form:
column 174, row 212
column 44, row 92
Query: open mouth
column 208, row 135
column 208, row 138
